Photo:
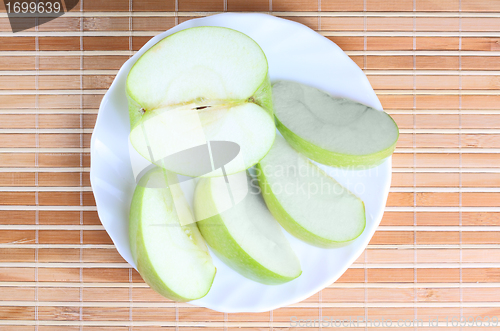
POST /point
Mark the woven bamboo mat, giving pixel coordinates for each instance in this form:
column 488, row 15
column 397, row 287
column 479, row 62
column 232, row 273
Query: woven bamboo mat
column 435, row 65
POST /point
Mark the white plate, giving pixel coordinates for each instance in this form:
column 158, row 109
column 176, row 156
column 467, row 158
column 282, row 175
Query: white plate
column 294, row 52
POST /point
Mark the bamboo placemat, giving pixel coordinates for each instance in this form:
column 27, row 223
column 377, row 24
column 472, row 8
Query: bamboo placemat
column 435, row 66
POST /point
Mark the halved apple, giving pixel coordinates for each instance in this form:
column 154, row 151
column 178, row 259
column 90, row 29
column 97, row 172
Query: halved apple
column 172, row 258
column 332, row 131
column 244, row 234
column 199, row 85
column 308, row 203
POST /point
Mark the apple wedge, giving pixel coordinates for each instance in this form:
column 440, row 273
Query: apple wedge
column 199, row 85
column 172, row 259
column 332, row 131
column 245, row 236
column 308, row 203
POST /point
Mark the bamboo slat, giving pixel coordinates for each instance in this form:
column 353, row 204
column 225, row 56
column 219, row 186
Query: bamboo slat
column 435, row 67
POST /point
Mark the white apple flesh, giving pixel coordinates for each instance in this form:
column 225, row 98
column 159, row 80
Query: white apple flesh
column 171, row 258
column 198, row 85
column 245, row 236
column 308, row 203
column 332, row 131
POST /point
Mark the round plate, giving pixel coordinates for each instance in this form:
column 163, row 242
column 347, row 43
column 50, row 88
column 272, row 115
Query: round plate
column 294, row 52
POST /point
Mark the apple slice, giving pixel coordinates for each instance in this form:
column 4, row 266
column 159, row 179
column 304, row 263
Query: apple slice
column 308, row 203
column 199, row 85
column 332, row 131
column 172, row 259
column 244, row 234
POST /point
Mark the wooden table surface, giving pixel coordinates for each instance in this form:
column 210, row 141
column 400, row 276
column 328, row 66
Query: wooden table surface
column 435, row 65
